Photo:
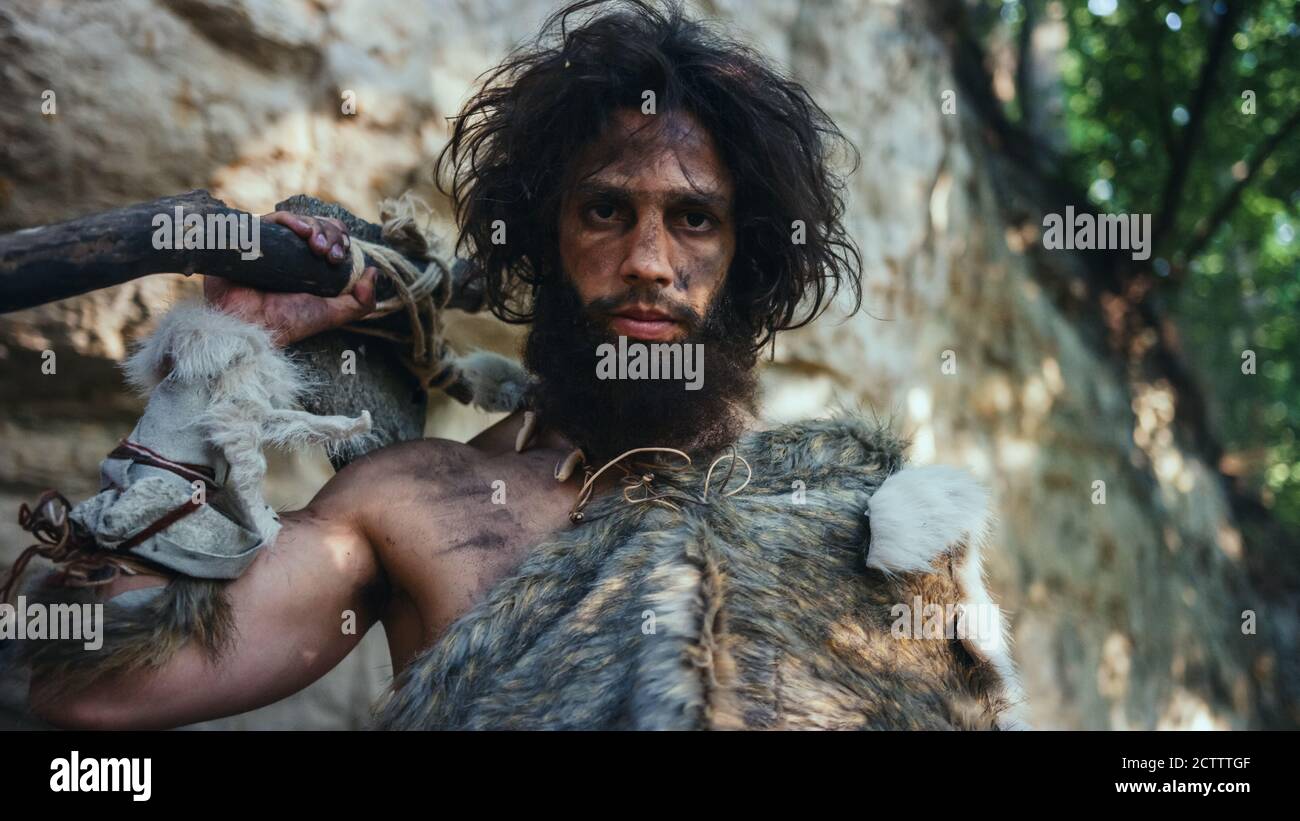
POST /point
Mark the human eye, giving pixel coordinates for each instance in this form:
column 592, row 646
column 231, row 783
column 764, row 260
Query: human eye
column 601, row 211
column 696, row 220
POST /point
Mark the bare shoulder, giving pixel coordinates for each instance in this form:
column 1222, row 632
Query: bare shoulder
column 426, row 464
column 433, row 470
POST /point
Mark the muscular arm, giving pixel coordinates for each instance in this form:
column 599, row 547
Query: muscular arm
column 288, row 610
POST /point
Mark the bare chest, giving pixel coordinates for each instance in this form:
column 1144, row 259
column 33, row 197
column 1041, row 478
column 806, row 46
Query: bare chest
column 446, row 546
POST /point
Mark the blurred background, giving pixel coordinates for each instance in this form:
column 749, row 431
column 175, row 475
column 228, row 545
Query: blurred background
column 1173, row 604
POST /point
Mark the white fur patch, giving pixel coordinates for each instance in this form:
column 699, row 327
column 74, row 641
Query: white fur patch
column 991, row 645
column 195, row 342
column 919, row 513
column 252, row 390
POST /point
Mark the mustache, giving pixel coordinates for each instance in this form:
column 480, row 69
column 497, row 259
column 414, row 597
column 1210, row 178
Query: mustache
column 603, row 308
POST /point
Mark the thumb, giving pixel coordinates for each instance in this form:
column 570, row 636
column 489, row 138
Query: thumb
column 354, row 305
column 364, row 291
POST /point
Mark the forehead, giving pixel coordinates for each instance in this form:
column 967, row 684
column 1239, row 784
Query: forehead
column 663, row 152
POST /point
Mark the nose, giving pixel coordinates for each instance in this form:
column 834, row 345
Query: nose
column 647, row 262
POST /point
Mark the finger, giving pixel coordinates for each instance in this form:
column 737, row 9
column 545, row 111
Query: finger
column 336, row 234
column 319, row 242
column 332, row 229
column 340, row 310
column 340, row 226
column 293, row 222
column 364, row 290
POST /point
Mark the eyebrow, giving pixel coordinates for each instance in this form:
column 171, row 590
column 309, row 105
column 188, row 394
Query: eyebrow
column 676, row 196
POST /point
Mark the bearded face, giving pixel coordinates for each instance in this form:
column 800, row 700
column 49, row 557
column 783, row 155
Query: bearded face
column 607, row 416
column 646, row 240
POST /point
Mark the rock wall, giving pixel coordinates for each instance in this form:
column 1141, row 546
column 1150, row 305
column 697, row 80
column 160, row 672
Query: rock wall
column 1125, row 614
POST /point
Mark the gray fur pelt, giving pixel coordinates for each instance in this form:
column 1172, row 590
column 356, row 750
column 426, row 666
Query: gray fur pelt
column 759, row 610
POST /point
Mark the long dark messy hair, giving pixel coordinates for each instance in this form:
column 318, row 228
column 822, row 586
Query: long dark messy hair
column 514, row 140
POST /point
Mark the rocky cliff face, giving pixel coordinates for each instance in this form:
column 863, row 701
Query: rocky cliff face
column 1126, row 614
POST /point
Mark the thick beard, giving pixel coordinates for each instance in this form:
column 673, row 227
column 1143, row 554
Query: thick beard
column 606, row 417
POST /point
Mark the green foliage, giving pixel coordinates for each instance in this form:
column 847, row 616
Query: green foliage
column 1130, row 71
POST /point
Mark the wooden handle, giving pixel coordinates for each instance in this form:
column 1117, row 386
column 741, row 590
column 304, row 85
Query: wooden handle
column 53, row 262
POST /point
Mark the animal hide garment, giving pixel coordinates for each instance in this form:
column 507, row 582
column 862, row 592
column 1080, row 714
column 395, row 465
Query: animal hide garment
column 788, row 605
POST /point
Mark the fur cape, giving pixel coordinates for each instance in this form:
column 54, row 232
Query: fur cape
column 774, row 608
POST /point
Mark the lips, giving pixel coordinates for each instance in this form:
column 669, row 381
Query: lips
column 644, row 323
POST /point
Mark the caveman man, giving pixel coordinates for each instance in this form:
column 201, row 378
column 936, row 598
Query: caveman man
column 662, row 561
